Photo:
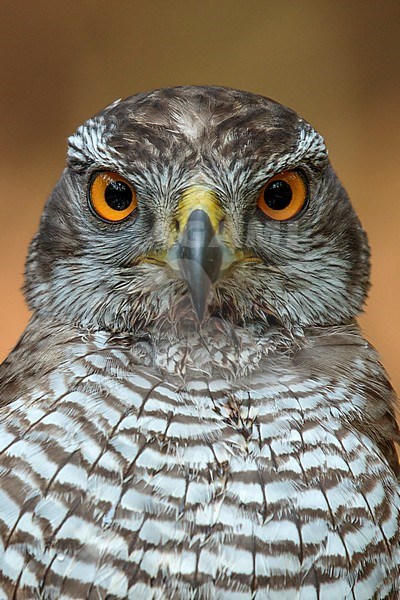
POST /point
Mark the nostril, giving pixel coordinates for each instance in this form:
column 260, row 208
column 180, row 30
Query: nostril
column 175, row 225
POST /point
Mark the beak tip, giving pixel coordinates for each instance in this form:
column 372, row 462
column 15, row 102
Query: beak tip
column 199, row 300
column 200, row 310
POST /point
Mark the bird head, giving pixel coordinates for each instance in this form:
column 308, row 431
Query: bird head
column 192, row 203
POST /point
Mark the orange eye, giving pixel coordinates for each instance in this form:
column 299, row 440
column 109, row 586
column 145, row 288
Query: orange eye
column 283, row 197
column 112, row 197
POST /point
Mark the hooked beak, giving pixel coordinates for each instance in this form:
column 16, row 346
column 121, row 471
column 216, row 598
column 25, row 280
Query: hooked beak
column 199, row 251
column 199, row 258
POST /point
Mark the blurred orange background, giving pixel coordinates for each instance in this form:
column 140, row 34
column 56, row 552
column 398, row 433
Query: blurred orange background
column 336, row 63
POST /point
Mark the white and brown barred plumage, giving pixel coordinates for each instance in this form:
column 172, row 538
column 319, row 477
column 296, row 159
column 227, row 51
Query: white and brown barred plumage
column 148, row 451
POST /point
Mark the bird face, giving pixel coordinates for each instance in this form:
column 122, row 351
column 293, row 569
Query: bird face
column 193, row 203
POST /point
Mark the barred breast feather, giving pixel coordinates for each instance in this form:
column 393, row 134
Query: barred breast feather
column 119, row 479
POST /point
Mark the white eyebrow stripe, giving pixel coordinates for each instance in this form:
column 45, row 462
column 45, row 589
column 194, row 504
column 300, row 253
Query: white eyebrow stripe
column 90, row 144
column 310, row 148
column 311, row 143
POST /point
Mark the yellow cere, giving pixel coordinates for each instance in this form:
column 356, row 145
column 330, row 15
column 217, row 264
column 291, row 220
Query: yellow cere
column 198, row 197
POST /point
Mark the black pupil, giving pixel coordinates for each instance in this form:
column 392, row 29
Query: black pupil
column 118, row 195
column 278, row 195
